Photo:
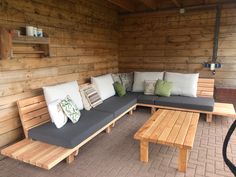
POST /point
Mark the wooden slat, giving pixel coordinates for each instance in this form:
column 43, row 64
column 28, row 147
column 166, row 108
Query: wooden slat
column 155, row 124
column 41, row 153
column 33, row 107
column 189, row 139
column 8, row 151
column 35, row 113
column 224, row 109
column 162, row 131
column 205, row 87
column 140, row 134
column 179, row 141
column 37, row 153
column 167, row 129
column 30, row 101
column 24, row 149
column 176, row 128
column 37, row 121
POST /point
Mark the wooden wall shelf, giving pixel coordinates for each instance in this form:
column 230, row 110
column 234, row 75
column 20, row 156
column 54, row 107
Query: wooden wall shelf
column 30, row 40
column 35, row 45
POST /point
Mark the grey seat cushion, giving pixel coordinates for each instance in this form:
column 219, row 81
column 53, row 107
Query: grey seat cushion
column 147, row 99
column 196, row 103
column 71, row 134
column 117, row 105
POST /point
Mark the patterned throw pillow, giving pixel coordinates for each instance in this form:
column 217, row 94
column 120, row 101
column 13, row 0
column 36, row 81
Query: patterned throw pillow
column 116, row 78
column 92, row 96
column 70, row 109
column 149, row 87
column 127, row 80
column 86, row 103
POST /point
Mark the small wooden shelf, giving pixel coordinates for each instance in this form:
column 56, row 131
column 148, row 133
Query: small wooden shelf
column 8, row 43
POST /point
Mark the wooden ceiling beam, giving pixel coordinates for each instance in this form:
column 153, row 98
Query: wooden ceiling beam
column 124, row 4
column 176, row 3
column 152, row 4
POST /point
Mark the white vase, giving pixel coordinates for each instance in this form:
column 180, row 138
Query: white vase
column 29, row 30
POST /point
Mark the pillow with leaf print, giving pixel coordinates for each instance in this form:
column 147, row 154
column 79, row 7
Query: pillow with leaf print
column 70, row 109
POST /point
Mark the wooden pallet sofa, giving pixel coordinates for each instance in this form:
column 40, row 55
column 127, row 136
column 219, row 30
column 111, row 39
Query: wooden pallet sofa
column 45, row 145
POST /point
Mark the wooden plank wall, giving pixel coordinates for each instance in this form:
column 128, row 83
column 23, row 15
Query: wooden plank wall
column 84, row 43
column 173, row 42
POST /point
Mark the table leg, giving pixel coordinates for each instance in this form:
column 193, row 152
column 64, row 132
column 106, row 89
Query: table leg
column 153, row 110
column 183, row 158
column 209, row 118
column 144, row 151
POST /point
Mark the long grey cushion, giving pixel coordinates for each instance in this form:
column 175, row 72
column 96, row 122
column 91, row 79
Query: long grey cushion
column 197, row 103
column 147, row 99
column 117, row 105
column 71, row 134
column 144, row 99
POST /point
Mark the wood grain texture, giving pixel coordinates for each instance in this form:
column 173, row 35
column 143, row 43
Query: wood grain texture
column 38, row 153
column 165, row 41
column 172, row 128
column 83, row 43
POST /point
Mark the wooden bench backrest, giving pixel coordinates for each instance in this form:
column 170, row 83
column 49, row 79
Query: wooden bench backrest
column 33, row 111
column 205, row 87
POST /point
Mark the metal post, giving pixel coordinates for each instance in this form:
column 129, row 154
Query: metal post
column 216, row 34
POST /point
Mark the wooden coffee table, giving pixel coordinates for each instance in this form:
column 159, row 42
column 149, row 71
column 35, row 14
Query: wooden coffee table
column 172, row 128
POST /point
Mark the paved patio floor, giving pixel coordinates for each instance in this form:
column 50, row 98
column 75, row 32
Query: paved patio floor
column 117, row 154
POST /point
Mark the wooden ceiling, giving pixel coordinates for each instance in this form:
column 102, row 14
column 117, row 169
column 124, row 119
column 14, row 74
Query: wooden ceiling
column 132, row 6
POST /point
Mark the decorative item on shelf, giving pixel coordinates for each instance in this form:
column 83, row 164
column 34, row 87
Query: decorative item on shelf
column 212, row 66
column 35, row 32
column 29, row 31
column 39, row 32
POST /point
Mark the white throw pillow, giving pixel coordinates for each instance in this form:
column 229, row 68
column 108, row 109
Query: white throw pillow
column 183, row 84
column 140, row 77
column 104, row 85
column 56, row 113
column 60, row 91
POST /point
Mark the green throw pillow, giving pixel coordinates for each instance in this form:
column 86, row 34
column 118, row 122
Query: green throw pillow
column 119, row 88
column 163, row 88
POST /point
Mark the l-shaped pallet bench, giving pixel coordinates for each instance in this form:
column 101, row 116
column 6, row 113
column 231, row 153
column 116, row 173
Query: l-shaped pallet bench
column 34, row 112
